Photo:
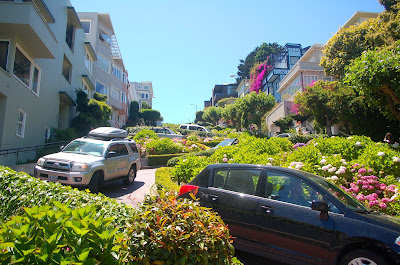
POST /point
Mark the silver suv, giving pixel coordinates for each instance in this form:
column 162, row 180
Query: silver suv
column 101, row 157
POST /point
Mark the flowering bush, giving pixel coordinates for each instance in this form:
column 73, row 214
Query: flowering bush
column 163, row 146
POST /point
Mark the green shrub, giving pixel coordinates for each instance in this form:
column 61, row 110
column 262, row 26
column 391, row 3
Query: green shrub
column 145, row 133
column 163, row 146
column 59, row 235
column 164, row 181
column 65, row 135
column 169, row 231
column 18, row 190
column 212, row 143
column 160, row 160
column 302, row 138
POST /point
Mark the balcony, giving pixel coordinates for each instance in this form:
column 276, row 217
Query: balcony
column 26, row 23
column 299, row 67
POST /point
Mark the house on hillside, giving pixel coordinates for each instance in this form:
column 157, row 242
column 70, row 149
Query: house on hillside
column 44, row 58
column 109, row 75
column 144, row 92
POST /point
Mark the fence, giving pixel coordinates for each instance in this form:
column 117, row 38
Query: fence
column 17, row 152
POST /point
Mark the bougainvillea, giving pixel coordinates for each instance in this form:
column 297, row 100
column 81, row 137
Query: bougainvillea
column 257, row 78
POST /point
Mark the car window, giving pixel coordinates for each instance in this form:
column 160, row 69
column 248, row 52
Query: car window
column 239, row 180
column 83, row 147
column 291, row 189
column 182, row 127
column 113, row 148
column 193, row 128
column 133, row 147
column 122, row 150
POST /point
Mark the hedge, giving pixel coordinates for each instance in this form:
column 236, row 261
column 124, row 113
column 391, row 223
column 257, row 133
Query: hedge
column 160, row 160
column 163, row 179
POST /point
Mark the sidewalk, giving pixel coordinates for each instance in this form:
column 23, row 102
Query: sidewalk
column 27, row 168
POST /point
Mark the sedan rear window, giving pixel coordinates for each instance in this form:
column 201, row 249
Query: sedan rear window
column 239, row 180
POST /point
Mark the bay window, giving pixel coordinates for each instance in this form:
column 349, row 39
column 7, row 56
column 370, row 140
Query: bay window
column 26, row 71
column 101, row 89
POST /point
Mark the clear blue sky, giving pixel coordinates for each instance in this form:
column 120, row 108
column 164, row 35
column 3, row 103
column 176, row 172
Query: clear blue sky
column 185, row 47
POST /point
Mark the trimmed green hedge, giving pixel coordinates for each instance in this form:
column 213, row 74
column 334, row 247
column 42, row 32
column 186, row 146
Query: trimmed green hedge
column 164, row 181
column 160, row 160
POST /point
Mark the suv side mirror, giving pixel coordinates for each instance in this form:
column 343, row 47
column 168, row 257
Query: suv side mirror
column 322, row 207
column 111, row 154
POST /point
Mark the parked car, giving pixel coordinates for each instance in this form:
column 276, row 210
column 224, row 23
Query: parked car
column 226, row 142
column 103, row 156
column 193, row 127
column 284, row 135
column 294, row 216
column 163, row 132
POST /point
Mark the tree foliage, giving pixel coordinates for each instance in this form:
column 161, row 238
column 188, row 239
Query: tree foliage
column 225, row 101
column 145, row 105
column 326, row 101
column 259, row 55
column 199, row 116
column 212, row 114
column 134, row 113
column 376, row 74
column 150, row 117
column 92, row 112
column 285, row 123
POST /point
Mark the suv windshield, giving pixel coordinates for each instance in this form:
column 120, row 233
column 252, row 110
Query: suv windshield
column 86, row 148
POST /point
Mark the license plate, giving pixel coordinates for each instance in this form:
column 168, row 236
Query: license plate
column 53, row 178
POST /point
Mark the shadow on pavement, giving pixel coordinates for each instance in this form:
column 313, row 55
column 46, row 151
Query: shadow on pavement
column 118, row 189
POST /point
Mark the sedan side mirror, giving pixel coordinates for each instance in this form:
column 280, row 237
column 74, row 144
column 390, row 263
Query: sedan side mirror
column 111, row 154
column 322, row 207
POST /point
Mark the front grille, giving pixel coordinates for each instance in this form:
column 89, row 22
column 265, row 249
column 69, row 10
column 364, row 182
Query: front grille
column 57, row 166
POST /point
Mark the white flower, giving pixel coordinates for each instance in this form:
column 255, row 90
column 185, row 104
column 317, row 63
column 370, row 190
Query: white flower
column 325, row 168
column 329, row 165
column 349, row 138
column 396, row 159
column 344, row 163
column 316, row 144
column 323, row 156
column 225, row 160
column 269, row 164
column 381, row 154
column 290, row 167
column 335, row 155
column 299, row 163
column 358, row 144
column 395, row 145
column 298, row 166
column 270, row 159
column 224, row 155
column 342, row 160
column 323, row 161
column 331, row 170
column 334, row 177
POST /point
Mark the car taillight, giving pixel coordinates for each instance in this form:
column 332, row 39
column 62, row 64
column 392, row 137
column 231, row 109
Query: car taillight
column 188, row 188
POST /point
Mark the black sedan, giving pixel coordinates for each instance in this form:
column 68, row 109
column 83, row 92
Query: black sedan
column 294, row 216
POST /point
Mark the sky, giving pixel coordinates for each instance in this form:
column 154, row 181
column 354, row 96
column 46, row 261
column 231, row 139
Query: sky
column 186, row 47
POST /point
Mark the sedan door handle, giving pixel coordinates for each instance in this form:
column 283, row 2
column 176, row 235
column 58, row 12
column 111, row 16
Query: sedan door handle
column 267, row 209
column 214, row 199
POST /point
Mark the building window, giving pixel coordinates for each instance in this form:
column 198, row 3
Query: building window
column 115, row 93
column 21, row 120
column 101, row 89
column 117, row 72
column 103, row 63
column 86, row 26
column 26, row 71
column 4, row 54
column 88, row 61
column 86, row 89
column 69, row 35
column 67, row 69
column 123, row 97
column 105, row 37
column 146, row 87
column 309, row 79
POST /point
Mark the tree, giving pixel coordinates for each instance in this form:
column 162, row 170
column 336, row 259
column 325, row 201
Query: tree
column 145, row 105
column 258, row 55
column 150, row 117
column 212, row 114
column 199, row 116
column 231, row 115
column 390, row 5
column 133, row 117
column 326, row 101
column 253, row 107
column 225, row 101
column 284, row 123
column 91, row 112
column 376, row 75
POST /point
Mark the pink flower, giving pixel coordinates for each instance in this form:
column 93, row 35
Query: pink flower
column 225, row 160
column 360, row 197
column 362, row 170
column 372, row 203
column 383, row 205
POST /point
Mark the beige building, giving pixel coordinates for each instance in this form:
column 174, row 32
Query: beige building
column 109, row 74
column 143, row 92
column 42, row 63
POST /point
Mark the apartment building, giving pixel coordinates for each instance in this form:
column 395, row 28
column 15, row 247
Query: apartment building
column 109, row 74
column 143, row 91
column 42, row 51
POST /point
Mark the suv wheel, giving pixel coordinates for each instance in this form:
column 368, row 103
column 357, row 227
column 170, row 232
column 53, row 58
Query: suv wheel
column 94, row 182
column 363, row 257
column 130, row 178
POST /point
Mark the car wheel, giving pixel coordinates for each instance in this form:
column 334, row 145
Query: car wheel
column 94, row 183
column 366, row 257
column 130, row 178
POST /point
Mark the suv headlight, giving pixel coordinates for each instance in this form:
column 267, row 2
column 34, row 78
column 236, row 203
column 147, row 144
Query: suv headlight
column 79, row 167
column 41, row 162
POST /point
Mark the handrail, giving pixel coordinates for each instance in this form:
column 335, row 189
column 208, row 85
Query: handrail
column 17, row 151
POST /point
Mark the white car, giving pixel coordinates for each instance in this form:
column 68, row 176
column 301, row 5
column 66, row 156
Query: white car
column 166, row 133
column 193, row 127
column 101, row 157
